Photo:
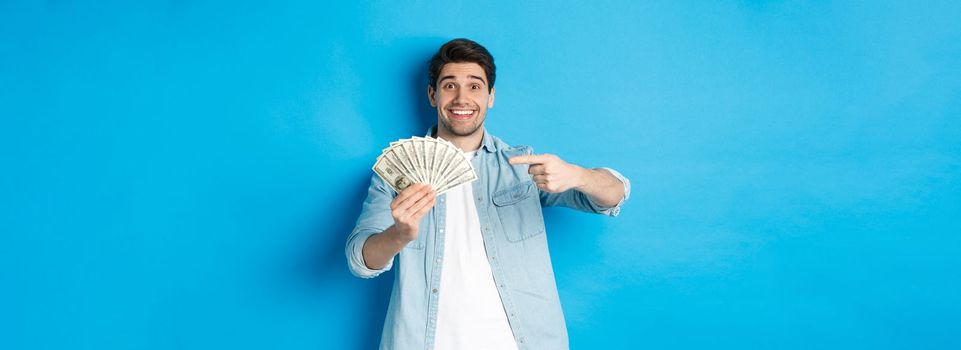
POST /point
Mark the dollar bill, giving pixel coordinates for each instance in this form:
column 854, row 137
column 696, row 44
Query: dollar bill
column 392, row 175
column 433, row 161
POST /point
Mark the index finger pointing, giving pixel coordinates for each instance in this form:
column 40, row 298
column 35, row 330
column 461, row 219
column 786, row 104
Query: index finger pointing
column 531, row 159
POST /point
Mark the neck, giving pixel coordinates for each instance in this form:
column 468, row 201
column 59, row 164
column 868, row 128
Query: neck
column 467, row 143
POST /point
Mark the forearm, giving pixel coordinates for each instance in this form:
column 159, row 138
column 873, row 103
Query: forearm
column 380, row 248
column 601, row 186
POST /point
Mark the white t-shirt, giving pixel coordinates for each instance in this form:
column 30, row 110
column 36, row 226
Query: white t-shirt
column 470, row 313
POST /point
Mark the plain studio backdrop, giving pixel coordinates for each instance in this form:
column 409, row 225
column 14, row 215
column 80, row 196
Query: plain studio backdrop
column 184, row 174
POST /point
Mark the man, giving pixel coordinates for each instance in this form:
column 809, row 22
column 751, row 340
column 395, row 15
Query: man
column 473, row 268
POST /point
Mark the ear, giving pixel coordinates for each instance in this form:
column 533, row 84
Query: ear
column 430, row 96
column 490, row 102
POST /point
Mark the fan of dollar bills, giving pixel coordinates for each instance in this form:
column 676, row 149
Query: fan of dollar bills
column 436, row 162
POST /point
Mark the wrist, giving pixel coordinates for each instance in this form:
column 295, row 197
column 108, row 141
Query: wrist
column 583, row 178
column 399, row 236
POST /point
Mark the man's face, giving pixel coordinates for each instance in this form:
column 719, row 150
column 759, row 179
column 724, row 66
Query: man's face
column 462, row 98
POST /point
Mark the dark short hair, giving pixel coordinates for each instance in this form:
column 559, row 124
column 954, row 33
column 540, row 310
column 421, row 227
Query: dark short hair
column 462, row 51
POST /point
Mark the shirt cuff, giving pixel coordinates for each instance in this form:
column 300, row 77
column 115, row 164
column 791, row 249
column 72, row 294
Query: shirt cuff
column 356, row 257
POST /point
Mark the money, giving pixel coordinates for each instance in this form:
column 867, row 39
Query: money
column 435, row 162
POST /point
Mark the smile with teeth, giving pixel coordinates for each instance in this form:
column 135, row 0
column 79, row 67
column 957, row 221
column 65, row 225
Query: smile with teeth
column 461, row 113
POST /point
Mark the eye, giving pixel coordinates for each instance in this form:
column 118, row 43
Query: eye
column 475, row 87
column 449, row 86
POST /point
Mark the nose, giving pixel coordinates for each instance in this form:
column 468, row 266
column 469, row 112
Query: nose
column 459, row 95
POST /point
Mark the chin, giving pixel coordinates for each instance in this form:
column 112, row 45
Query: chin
column 463, row 130
column 466, row 132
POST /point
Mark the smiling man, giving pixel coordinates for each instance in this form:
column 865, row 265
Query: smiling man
column 473, row 267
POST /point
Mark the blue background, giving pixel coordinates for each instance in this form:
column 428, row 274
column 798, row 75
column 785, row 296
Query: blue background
column 183, row 174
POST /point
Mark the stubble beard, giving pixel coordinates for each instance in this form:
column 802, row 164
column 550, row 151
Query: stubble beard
column 463, row 130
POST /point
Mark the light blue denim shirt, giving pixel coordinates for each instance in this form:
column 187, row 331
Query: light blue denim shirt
column 512, row 225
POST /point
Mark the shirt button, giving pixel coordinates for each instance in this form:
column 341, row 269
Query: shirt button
column 434, row 291
column 502, row 285
column 522, row 339
column 492, row 258
column 441, row 230
column 438, row 260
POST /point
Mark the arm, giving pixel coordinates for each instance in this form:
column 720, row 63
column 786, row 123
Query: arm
column 407, row 210
column 600, row 185
column 380, row 248
column 374, row 226
column 599, row 190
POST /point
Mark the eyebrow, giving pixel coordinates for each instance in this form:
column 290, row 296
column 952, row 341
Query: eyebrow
column 453, row 77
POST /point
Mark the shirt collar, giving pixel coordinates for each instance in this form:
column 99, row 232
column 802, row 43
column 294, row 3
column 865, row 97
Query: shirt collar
column 487, row 143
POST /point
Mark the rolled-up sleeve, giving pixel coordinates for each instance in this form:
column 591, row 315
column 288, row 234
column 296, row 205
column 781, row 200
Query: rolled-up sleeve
column 374, row 218
column 613, row 211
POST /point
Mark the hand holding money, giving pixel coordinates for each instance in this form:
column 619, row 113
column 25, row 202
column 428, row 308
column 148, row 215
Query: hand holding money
column 551, row 173
column 431, row 161
column 409, row 207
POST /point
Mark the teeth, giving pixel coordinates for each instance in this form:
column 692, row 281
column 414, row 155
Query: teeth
column 463, row 112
